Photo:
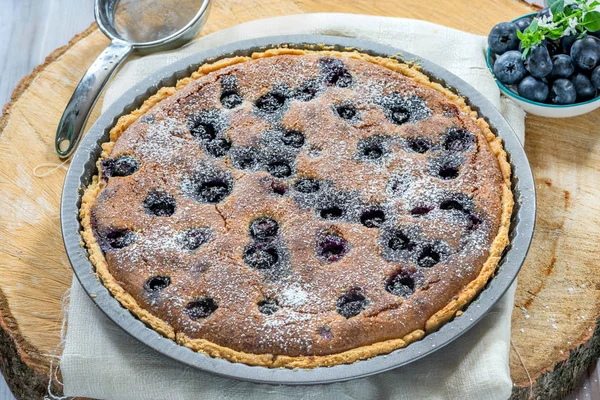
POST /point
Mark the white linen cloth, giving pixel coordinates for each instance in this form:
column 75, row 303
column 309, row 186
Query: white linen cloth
column 101, row 361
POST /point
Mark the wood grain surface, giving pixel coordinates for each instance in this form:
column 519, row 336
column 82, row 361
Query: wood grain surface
column 29, row 31
column 554, row 336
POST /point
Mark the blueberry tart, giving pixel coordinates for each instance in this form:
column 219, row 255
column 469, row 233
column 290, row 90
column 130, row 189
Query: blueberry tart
column 298, row 208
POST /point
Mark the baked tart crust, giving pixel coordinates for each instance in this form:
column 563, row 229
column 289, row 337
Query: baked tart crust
column 298, row 208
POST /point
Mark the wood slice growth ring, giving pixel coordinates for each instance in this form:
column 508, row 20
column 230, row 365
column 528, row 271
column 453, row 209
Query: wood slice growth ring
column 555, row 319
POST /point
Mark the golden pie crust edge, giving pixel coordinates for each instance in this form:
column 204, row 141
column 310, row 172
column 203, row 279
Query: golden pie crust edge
column 268, row 360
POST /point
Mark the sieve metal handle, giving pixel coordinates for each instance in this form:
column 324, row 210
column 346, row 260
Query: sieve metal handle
column 75, row 116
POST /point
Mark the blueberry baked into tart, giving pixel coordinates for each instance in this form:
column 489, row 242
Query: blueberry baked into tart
column 298, row 208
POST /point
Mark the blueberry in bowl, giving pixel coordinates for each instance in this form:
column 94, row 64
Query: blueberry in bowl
column 523, row 23
column 552, row 69
column 585, row 53
column 503, row 37
column 509, row 68
column 563, row 92
column 538, row 62
column 583, row 86
column 562, row 67
column 533, row 89
column 596, row 77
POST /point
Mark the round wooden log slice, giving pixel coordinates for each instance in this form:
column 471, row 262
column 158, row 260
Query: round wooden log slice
column 554, row 333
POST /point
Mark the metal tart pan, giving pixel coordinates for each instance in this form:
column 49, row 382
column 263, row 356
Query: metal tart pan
column 83, row 168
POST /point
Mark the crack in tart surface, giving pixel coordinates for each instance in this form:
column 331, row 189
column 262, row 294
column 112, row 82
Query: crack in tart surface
column 298, row 208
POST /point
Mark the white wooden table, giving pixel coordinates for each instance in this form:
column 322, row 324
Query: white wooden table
column 31, row 29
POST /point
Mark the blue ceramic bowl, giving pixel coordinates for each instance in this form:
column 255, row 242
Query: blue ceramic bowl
column 542, row 109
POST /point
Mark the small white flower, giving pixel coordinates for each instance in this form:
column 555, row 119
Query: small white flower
column 572, row 28
column 573, row 22
column 546, row 22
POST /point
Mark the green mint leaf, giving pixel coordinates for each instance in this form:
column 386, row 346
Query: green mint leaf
column 591, row 21
column 568, row 12
column 557, row 7
column 520, row 35
column 533, row 27
column 554, row 34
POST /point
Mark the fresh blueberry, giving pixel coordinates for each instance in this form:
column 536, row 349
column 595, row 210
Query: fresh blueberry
column 583, row 86
column 566, row 42
column 538, row 61
column 586, row 53
column 563, row 92
column 596, row 77
column 533, row 89
column 562, row 66
column 545, row 12
column 503, row 37
column 553, row 47
column 523, row 23
column 509, row 68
